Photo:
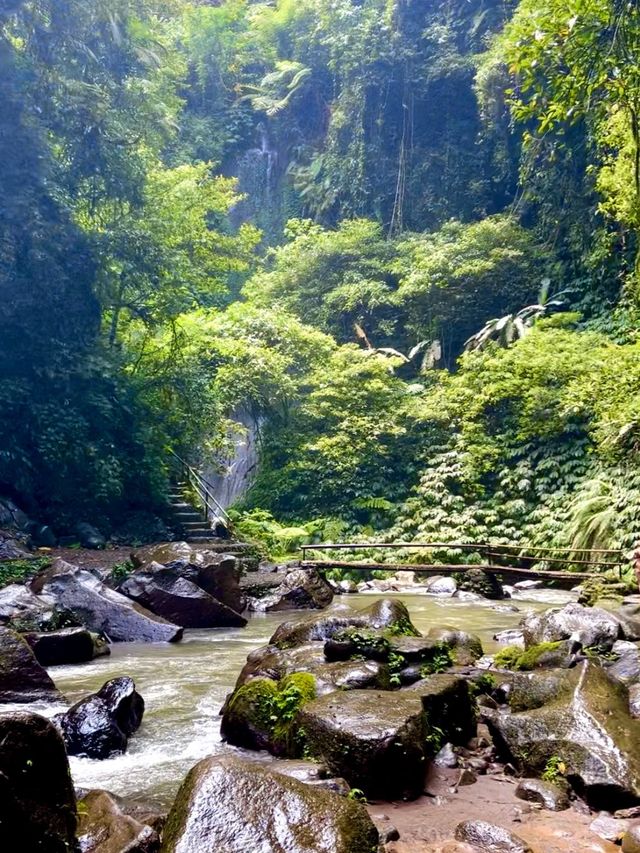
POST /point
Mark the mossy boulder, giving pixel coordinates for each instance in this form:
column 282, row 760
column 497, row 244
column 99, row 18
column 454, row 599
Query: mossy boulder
column 37, row 800
column 465, row 648
column 261, row 714
column 232, row 805
column 526, row 691
column 376, row 740
column 481, row 583
column 389, row 614
column 22, row 678
column 104, row 827
column 587, row 729
column 541, row 656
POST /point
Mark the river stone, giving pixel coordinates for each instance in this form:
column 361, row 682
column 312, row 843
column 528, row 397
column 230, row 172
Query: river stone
column 12, row 549
column 178, row 600
column 490, row 838
column 90, row 536
column 465, row 648
column 216, row 572
column 588, row 727
column 99, row 725
column 104, row 828
column 101, row 609
column 586, row 626
column 525, row 691
column 627, row 667
column 385, row 613
column 37, row 801
column 232, row 805
column 510, row 637
column 481, row 583
column 17, row 602
column 300, row 589
column 374, row 739
column 22, row 678
column 441, row 586
column 66, row 646
column 549, row 796
column 610, row 828
column 631, row 840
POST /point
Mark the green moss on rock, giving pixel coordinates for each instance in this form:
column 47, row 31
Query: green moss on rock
column 515, row 658
column 261, row 714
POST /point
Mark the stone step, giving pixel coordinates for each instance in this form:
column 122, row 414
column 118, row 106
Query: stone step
column 195, row 525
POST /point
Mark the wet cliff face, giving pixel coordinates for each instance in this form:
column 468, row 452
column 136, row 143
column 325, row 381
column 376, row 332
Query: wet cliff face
column 231, row 482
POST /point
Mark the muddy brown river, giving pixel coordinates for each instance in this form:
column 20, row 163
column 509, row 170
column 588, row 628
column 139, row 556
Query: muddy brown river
column 184, row 685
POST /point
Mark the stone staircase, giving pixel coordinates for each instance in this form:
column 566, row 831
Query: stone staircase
column 190, row 521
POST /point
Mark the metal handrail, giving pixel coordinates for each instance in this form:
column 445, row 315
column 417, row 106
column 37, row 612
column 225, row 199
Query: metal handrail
column 202, row 489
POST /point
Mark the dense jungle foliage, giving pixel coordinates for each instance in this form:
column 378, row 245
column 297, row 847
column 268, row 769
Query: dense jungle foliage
column 401, row 234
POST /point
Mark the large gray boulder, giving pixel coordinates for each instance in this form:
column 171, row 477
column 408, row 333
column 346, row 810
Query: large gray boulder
column 19, row 604
column 216, row 573
column 37, row 800
column 300, row 589
column 163, row 591
column 587, row 727
column 386, row 613
column 22, row 678
column 587, row 627
column 232, row 805
column 101, row 609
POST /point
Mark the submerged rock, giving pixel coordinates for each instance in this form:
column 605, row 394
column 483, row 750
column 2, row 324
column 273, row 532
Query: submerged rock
column 22, row 678
column 100, row 725
column 178, row 600
column 102, row 609
column 300, row 589
column 37, row 801
column 232, row 805
column 66, row 646
column 104, row 827
column 587, row 728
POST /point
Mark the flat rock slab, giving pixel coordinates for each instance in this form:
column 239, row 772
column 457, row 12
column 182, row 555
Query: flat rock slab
column 236, row 806
column 375, row 739
column 102, row 609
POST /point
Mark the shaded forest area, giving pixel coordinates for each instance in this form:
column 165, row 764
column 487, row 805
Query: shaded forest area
column 400, row 234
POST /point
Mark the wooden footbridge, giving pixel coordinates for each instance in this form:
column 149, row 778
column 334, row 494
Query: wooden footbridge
column 556, row 565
